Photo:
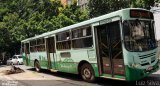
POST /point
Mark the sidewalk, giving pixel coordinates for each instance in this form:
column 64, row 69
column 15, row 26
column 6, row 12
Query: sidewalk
column 32, row 78
column 28, row 78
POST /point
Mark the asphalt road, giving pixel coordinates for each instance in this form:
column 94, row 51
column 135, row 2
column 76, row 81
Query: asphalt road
column 47, row 78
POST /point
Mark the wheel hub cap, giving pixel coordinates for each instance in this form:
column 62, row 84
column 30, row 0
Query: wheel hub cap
column 87, row 73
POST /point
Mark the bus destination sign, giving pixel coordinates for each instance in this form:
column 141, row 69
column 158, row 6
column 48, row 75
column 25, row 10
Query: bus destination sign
column 141, row 14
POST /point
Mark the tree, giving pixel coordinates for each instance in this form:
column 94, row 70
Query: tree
column 143, row 3
column 21, row 19
column 100, row 7
column 73, row 14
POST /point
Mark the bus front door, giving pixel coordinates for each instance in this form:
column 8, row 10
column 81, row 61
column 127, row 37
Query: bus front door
column 50, row 47
column 109, row 50
column 27, row 53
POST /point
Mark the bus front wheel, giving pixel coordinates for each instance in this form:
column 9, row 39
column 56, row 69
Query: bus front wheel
column 37, row 66
column 87, row 73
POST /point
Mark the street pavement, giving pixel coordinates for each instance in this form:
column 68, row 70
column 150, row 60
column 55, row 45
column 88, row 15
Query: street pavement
column 46, row 78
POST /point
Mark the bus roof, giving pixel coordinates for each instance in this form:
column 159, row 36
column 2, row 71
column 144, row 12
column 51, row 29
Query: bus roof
column 84, row 23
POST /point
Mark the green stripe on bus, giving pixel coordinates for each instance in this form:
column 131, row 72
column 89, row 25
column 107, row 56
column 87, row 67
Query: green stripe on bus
column 67, row 67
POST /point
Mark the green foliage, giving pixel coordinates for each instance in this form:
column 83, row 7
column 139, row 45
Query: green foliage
column 143, row 3
column 100, row 7
column 21, row 19
column 158, row 1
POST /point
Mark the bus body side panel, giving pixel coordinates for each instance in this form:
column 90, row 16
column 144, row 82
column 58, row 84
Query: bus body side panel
column 70, row 64
column 33, row 57
column 68, row 60
column 41, row 57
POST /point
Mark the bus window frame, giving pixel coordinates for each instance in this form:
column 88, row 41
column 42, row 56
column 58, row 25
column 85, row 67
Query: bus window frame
column 56, row 40
column 83, row 37
column 40, row 45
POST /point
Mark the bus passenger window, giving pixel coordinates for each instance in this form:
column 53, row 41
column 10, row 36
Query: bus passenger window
column 82, row 38
column 63, row 41
column 40, row 45
column 33, row 46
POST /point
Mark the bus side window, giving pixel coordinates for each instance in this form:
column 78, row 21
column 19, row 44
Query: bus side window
column 82, row 38
column 40, row 45
column 63, row 41
column 33, row 47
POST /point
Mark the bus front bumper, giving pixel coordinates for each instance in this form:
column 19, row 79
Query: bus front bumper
column 133, row 74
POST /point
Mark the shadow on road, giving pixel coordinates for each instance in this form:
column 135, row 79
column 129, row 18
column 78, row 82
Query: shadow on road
column 99, row 81
column 60, row 74
column 3, row 65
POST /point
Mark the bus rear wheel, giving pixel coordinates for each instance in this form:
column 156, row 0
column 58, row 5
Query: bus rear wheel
column 37, row 66
column 87, row 73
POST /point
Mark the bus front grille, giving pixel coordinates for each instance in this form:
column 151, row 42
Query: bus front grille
column 148, row 55
column 152, row 61
column 145, row 64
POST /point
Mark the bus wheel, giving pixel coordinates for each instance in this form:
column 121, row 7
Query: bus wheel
column 37, row 66
column 87, row 73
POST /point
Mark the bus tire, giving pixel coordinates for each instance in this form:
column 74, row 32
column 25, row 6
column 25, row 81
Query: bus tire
column 87, row 73
column 37, row 66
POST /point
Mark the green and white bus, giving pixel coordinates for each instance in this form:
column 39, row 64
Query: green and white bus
column 119, row 45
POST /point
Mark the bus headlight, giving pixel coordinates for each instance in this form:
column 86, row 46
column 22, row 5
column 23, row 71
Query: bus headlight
column 136, row 65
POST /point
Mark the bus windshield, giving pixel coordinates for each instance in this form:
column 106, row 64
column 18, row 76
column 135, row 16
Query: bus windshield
column 139, row 35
